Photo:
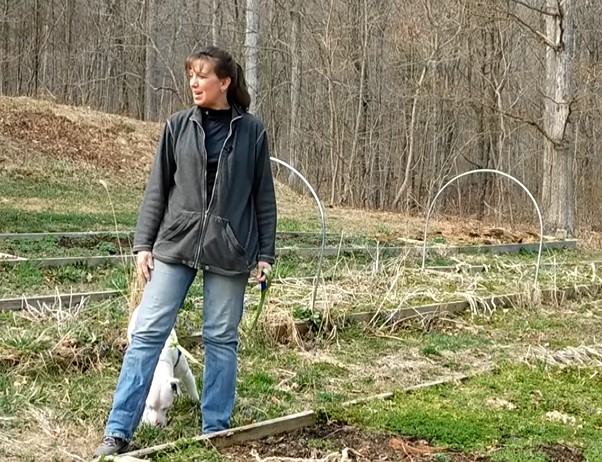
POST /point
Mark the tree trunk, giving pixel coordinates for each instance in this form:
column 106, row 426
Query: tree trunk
column 360, row 66
column 214, row 22
column 252, row 51
column 295, row 96
column 37, row 47
column 4, row 51
column 558, row 192
column 151, row 74
column 411, row 136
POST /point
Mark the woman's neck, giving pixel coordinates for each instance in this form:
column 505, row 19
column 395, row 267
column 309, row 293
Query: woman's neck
column 221, row 106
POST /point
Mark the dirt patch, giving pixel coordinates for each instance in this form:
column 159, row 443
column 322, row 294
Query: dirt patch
column 318, row 443
column 113, row 243
column 561, row 453
column 118, row 144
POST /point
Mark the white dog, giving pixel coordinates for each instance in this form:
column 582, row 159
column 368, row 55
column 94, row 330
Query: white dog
column 172, row 369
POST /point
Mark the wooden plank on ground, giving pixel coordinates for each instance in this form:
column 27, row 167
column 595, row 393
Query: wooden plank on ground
column 417, row 250
column 288, row 423
column 241, row 434
column 113, row 233
column 405, row 314
column 90, row 262
column 66, row 300
column 484, row 267
column 8, row 256
column 94, row 261
column 60, row 235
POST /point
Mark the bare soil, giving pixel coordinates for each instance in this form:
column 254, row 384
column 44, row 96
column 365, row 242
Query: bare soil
column 561, row 453
column 319, row 442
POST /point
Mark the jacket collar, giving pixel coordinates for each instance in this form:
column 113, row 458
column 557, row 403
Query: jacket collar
column 197, row 114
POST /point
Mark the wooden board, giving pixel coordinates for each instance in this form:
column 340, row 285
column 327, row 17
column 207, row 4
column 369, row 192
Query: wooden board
column 89, row 262
column 404, row 314
column 66, row 300
column 241, row 434
column 88, row 234
column 288, row 423
column 314, row 251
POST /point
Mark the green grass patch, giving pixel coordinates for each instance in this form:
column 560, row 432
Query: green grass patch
column 466, row 417
column 438, row 343
column 13, row 220
column 53, row 247
column 29, row 279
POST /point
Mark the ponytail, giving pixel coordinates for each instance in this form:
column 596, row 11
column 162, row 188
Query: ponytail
column 238, row 93
column 225, row 66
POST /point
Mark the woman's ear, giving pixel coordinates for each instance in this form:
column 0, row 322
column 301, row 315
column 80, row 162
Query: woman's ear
column 225, row 84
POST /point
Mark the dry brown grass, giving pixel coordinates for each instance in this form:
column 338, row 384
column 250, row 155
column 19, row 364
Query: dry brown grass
column 96, row 140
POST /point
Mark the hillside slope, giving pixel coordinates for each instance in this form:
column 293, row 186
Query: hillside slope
column 52, row 158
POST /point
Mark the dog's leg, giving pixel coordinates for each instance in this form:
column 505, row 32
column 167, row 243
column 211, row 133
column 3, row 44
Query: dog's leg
column 185, row 375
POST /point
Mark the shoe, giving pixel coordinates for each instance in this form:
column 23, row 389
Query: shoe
column 111, row 445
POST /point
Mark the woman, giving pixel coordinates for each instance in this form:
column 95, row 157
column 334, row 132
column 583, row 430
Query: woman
column 209, row 205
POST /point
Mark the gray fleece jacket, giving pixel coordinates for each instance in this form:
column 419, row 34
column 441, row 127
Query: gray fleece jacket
column 237, row 228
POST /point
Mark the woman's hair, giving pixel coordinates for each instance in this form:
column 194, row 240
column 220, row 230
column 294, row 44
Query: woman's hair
column 225, row 66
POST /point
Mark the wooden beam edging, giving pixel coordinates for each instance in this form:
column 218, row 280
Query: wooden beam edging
column 404, row 314
column 19, row 303
column 238, row 435
column 437, row 249
column 126, row 233
column 59, row 235
column 90, row 262
column 490, row 303
column 93, row 261
column 484, row 267
column 284, row 424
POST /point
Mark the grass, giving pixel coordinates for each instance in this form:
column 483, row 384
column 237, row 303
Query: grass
column 58, row 370
column 467, row 417
column 30, row 280
column 59, row 366
column 53, row 247
column 14, row 220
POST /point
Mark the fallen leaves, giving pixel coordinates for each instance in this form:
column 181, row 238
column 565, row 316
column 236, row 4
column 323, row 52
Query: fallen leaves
column 421, row 449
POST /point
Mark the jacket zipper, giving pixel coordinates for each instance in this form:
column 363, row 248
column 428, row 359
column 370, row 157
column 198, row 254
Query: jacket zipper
column 204, row 191
column 197, row 261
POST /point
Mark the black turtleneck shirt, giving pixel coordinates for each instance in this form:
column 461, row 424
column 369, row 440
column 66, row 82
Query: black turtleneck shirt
column 216, row 124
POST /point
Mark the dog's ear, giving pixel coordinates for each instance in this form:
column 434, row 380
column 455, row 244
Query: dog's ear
column 175, row 386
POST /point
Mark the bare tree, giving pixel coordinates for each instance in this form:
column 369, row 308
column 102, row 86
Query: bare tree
column 377, row 103
column 252, row 51
column 558, row 190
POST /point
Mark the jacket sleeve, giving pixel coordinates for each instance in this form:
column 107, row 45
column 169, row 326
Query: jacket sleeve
column 156, row 193
column 265, row 200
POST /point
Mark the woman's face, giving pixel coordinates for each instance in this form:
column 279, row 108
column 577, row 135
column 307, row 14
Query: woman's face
column 208, row 90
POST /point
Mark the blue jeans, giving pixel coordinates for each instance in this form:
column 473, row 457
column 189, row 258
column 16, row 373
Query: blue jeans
column 223, row 300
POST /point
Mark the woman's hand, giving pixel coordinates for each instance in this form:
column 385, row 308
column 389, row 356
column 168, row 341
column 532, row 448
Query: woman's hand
column 144, row 264
column 261, row 267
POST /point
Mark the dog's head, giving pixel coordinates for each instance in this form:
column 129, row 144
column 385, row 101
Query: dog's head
column 160, row 399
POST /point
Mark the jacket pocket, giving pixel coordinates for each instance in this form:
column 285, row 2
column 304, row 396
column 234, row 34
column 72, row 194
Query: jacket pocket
column 221, row 248
column 179, row 240
column 176, row 227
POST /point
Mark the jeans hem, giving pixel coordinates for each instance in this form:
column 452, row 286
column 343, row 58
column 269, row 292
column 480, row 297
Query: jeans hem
column 117, row 435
